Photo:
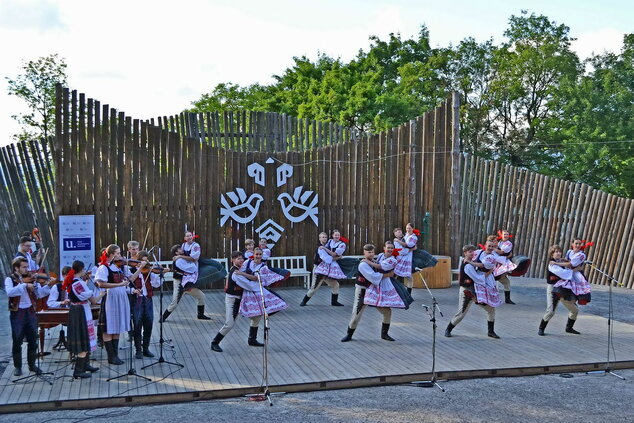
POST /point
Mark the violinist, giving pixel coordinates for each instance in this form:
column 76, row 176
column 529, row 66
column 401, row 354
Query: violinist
column 23, row 290
column 114, row 317
column 144, row 277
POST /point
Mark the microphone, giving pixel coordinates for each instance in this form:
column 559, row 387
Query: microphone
column 587, row 262
column 425, row 306
column 151, row 249
column 418, row 269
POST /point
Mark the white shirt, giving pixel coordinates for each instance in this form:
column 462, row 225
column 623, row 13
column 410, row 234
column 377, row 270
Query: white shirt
column 369, row 274
column 20, row 290
column 53, row 299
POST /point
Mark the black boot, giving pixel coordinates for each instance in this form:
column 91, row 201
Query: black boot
column 569, row 326
column 165, row 316
column 112, row 350
column 61, row 342
column 348, row 336
column 304, row 301
column 409, row 291
column 201, row 313
column 31, row 355
column 147, row 337
column 384, row 328
column 334, row 300
column 450, row 327
column 542, row 327
column 507, row 297
column 17, row 372
column 253, row 334
column 79, row 371
column 215, row 343
column 491, row 333
column 137, row 347
column 87, row 365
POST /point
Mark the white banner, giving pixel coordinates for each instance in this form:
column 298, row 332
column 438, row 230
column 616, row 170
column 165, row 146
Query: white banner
column 76, row 240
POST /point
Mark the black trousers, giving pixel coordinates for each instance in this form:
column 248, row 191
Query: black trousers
column 24, row 324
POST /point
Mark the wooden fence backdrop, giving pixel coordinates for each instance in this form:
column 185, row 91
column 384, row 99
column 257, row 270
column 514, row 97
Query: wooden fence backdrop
column 135, row 176
column 26, row 196
column 138, row 176
column 542, row 211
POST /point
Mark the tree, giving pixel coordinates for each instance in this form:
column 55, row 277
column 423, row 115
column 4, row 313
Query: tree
column 593, row 136
column 36, row 86
column 528, row 70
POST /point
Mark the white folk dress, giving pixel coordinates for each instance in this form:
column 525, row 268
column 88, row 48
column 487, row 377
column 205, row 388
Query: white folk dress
column 404, row 266
column 328, row 266
column 485, row 286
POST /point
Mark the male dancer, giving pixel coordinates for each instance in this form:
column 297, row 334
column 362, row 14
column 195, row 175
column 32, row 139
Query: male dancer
column 233, row 295
column 474, row 272
column 368, row 276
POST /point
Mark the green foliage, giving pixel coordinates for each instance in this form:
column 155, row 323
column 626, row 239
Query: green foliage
column 527, row 101
column 36, row 86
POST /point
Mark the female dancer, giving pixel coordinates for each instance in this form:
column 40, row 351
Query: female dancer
column 82, row 333
column 563, row 286
column 251, row 304
column 326, row 268
column 407, row 243
column 504, row 250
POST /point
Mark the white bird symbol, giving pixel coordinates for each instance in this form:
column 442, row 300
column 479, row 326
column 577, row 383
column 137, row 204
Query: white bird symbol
column 241, row 203
column 298, row 201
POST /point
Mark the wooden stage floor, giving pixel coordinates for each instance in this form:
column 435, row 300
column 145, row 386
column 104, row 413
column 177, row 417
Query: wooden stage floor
column 306, row 352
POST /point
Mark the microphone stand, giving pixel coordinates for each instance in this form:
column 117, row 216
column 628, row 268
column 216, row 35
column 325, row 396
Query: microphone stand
column 432, row 315
column 266, row 395
column 131, row 370
column 161, row 339
column 611, row 280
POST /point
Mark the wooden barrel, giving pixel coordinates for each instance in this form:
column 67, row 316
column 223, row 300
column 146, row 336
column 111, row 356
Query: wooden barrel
column 438, row 276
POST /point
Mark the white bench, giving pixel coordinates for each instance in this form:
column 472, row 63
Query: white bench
column 169, row 276
column 294, row 264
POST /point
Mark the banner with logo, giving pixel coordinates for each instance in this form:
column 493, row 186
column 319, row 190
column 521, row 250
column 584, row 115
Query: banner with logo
column 76, row 240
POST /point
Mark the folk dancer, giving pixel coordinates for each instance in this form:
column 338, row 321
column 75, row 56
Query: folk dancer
column 407, row 244
column 23, row 291
column 185, row 258
column 82, row 332
column 249, row 245
column 373, row 287
column 145, row 280
column 58, row 298
column 476, row 286
column 504, row 250
column 114, row 316
column 251, row 302
column 233, row 296
column 326, row 267
column 266, row 251
column 562, row 286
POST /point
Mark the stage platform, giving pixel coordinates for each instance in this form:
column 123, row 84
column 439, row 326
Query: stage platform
column 306, row 353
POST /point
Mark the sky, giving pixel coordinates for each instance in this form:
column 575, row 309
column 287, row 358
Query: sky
column 153, row 58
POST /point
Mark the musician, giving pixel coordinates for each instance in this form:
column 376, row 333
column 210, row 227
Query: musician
column 58, row 298
column 24, row 251
column 145, row 280
column 82, row 333
column 185, row 262
column 23, row 291
column 133, row 248
column 114, row 317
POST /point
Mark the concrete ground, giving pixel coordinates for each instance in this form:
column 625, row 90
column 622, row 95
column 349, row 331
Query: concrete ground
column 551, row 398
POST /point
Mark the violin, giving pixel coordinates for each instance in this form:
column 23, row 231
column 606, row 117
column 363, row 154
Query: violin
column 153, row 269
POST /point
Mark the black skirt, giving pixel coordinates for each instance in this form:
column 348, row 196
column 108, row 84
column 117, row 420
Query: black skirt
column 78, row 338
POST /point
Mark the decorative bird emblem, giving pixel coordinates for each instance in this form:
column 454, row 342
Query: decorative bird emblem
column 242, row 205
column 298, row 203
